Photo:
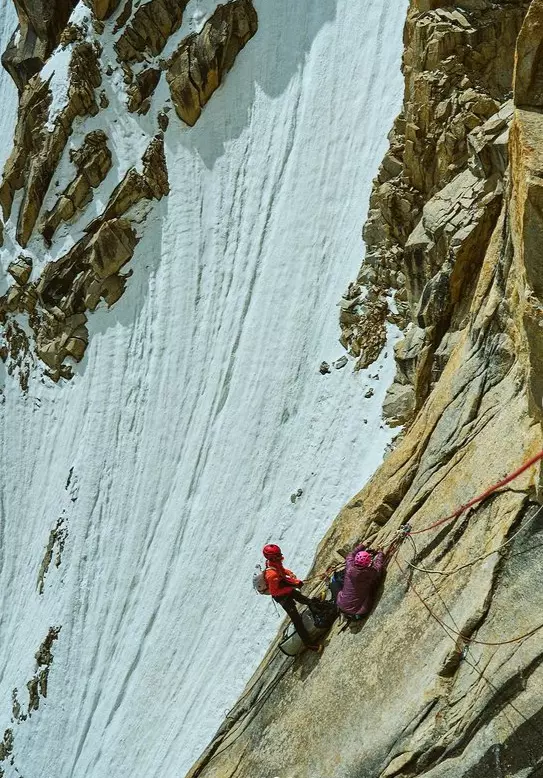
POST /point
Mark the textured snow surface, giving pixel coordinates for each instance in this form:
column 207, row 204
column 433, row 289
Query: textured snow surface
column 8, row 91
column 199, row 408
column 56, row 72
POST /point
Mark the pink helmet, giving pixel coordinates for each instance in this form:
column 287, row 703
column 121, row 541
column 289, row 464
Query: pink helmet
column 363, row 559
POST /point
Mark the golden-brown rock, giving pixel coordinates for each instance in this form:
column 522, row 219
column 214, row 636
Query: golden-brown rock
column 201, row 62
column 142, row 88
column 94, row 269
column 443, row 679
column 37, row 151
column 102, row 8
column 92, row 162
column 75, row 283
column 149, row 29
column 28, row 140
column 528, row 84
column 41, row 23
column 111, row 247
column 410, row 694
column 448, row 148
column 151, row 183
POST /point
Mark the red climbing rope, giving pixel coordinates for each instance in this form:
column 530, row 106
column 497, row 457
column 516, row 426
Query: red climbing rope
column 482, row 496
column 466, row 638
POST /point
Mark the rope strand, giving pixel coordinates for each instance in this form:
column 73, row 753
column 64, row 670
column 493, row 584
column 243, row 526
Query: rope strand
column 511, row 477
column 466, row 638
column 477, row 559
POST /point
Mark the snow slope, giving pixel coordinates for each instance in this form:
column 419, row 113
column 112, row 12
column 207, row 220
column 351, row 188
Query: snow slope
column 8, row 90
column 199, row 408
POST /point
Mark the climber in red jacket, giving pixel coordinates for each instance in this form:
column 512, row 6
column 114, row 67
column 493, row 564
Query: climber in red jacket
column 283, row 587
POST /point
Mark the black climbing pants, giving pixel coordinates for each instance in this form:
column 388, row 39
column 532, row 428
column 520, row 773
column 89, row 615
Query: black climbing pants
column 287, row 601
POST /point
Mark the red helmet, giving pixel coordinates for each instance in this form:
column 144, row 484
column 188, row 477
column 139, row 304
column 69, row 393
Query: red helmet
column 271, row 551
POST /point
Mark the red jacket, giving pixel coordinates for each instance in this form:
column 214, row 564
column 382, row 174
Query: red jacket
column 280, row 580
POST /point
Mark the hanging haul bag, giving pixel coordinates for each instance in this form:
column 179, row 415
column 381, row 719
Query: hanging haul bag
column 259, row 581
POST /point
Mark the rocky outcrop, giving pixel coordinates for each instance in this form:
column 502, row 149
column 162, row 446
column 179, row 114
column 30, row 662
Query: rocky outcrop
column 447, row 157
column 92, row 162
column 84, row 78
column 44, row 312
column 20, row 269
column 151, row 183
column 37, row 150
column 149, row 29
column 74, row 284
column 443, row 679
column 441, row 260
column 37, row 686
column 201, row 62
column 37, row 689
column 529, row 60
column 55, row 546
column 15, row 349
column 409, row 694
column 40, row 25
column 142, row 88
column 102, row 8
column 58, row 302
column 28, row 140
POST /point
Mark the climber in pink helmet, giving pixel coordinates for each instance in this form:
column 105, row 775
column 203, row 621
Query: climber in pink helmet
column 363, row 572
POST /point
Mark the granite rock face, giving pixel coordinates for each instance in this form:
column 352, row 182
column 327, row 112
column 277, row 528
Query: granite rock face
column 41, row 23
column 199, row 65
column 442, row 680
column 437, row 196
column 102, row 8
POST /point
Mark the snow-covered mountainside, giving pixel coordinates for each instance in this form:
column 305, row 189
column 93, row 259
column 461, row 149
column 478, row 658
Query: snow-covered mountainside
column 196, row 426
